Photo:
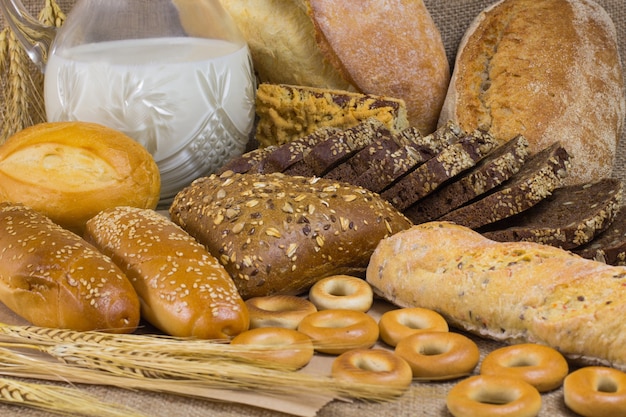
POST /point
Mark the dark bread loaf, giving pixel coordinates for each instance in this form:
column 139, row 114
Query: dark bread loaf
column 570, row 217
column 610, row 245
column 538, row 177
column 53, row 278
column 279, row 234
column 497, row 167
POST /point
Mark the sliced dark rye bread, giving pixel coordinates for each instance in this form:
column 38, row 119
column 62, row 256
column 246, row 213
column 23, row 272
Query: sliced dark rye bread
column 610, row 245
column 539, row 177
column 326, row 154
column 493, row 170
column 568, row 218
column 450, row 162
column 246, row 162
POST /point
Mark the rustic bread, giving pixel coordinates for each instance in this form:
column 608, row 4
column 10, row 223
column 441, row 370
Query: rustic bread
column 537, row 179
column 53, row 278
column 511, row 291
column 450, row 162
column 279, row 234
column 70, row 171
column 570, row 217
column 610, row 245
column 497, row 167
column 184, row 291
column 288, row 112
column 387, row 48
column 549, row 70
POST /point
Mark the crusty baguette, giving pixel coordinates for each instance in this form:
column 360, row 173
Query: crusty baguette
column 549, row 70
column 183, row 290
column 279, row 234
column 513, row 292
column 53, row 278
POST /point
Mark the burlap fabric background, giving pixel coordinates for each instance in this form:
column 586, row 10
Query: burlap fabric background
column 423, row 399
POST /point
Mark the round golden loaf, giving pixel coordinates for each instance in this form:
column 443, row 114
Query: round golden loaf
column 549, row 70
column 390, row 48
column 70, row 171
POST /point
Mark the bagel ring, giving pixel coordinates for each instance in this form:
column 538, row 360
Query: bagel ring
column 596, row 391
column 342, row 292
column 278, row 311
column 438, row 355
column 288, row 348
column 372, row 366
column 539, row 365
column 397, row 324
column 337, row 331
column 494, row 396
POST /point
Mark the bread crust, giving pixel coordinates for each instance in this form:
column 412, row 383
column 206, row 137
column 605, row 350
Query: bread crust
column 548, row 70
column 513, row 291
column 53, row 278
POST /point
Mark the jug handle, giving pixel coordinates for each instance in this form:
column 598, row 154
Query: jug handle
column 35, row 37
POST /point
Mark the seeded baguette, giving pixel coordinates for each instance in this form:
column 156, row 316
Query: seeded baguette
column 508, row 291
column 279, row 234
column 184, row 291
column 53, row 278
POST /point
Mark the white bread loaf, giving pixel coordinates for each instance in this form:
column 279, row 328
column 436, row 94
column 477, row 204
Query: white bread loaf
column 279, row 234
column 384, row 47
column 53, row 278
column 512, row 292
column 549, row 70
column 70, row 171
column 183, row 290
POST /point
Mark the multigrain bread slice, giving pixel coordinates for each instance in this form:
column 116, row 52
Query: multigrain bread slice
column 492, row 171
column 248, row 162
column 609, row 246
column 450, row 162
column 538, row 178
column 509, row 291
column 288, row 112
column 572, row 216
column 327, row 154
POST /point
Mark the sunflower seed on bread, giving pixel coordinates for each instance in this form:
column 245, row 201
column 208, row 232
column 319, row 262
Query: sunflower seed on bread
column 610, row 245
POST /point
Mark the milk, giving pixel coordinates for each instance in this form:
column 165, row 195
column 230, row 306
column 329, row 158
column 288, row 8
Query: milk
column 188, row 101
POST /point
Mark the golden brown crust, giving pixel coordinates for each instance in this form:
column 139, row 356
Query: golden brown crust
column 70, row 171
column 53, row 278
column 548, row 70
column 184, row 291
column 279, row 234
column 513, row 291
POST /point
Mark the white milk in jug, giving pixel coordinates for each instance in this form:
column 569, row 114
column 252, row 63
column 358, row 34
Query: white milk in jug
column 188, row 101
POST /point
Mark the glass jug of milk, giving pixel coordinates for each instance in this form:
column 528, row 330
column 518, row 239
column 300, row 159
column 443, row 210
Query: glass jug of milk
column 175, row 75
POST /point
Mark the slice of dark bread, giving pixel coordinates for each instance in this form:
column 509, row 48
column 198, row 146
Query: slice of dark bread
column 450, row 162
column 610, row 245
column 493, row 170
column 572, row 216
column 326, row 154
column 247, row 162
column 539, row 177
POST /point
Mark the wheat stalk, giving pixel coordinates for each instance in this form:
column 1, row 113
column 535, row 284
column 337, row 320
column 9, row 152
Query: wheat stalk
column 59, row 400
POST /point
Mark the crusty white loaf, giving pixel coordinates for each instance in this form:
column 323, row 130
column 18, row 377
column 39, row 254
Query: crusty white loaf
column 53, row 278
column 183, row 290
column 384, row 47
column 549, row 70
column 514, row 292
column 70, row 171
column 279, row 234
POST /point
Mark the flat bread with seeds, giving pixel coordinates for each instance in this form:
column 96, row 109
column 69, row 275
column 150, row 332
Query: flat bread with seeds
column 279, row 234
column 52, row 278
column 184, row 291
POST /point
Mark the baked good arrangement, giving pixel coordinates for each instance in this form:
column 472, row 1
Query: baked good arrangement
column 402, row 223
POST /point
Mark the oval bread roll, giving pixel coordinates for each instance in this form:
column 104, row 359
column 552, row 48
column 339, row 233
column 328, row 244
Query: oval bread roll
column 549, row 70
column 70, row 171
column 53, row 278
column 183, row 290
column 389, row 48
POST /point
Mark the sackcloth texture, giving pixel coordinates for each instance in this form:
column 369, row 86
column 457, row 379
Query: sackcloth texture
column 423, row 399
